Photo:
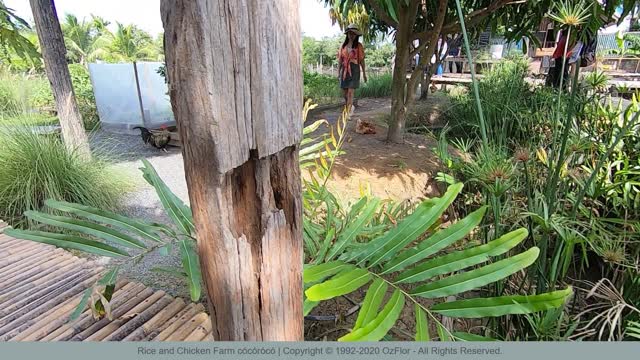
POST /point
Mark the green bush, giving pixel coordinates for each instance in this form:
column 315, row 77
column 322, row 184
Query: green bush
column 321, row 88
column 15, row 92
column 38, row 167
column 29, row 119
column 376, row 86
column 42, row 99
column 513, row 111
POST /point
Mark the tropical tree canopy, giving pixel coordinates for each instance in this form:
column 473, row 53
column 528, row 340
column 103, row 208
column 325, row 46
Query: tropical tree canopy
column 12, row 35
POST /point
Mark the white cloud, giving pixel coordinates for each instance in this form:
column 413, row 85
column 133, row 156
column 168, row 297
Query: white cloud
column 146, row 13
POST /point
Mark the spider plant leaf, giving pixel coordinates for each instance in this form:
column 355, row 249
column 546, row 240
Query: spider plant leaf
column 308, row 305
column 371, row 303
column 465, row 336
column 87, row 228
column 177, row 210
column 381, row 324
column 67, row 242
column 473, row 279
column 344, row 283
column 422, row 325
column 503, row 305
column 348, row 235
column 136, row 227
column 462, row 259
column 315, row 273
column 191, row 266
column 179, row 273
column 436, row 242
column 81, row 305
column 313, row 127
column 409, row 229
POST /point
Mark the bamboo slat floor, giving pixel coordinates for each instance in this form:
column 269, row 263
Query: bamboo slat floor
column 40, row 286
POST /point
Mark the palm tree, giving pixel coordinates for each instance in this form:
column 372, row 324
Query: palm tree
column 12, row 29
column 83, row 38
column 129, row 43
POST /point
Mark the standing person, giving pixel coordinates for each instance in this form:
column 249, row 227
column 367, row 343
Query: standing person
column 553, row 79
column 351, row 58
column 455, row 52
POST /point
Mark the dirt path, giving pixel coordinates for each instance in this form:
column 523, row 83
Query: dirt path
column 395, row 171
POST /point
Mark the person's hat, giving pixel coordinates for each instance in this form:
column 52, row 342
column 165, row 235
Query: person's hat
column 353, row 28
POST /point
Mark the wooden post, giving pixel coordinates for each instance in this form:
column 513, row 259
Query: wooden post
column 135, row 75
column 235, row 80
column 54, row 54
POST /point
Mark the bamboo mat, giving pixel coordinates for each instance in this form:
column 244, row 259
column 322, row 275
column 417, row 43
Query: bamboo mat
column 40, row 286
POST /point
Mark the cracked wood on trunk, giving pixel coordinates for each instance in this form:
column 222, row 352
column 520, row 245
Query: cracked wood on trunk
column 236, row 90
column 55, row 64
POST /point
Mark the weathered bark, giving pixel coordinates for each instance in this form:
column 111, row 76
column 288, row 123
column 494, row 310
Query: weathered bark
column 55, row 64
column 399, row 89
column 235, row 82
column 403, row 89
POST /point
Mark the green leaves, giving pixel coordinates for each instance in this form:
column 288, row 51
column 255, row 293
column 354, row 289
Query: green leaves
column 176, row 209
column 381, row 324
column 93, row 227
column 67, row 242
column 388, row 253
column 503, row 305
column 344, row 283
column 462, row 259
column 87, row 228
column 191, row 266
column 138, row 228
column 459, row 283
column 372, row 302
column 422, row 325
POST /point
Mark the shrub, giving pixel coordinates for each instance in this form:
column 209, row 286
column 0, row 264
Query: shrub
column 42, row 98
column 15, row 92
column 321, row 88
column 37, row 167
column 376, row 86
column 512, row 111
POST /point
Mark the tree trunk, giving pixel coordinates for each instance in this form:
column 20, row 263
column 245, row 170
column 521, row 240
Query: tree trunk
column 235, row 82
column 399, row 90
column 55, row 64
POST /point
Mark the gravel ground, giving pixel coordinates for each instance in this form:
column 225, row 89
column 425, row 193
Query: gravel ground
column 126, row 152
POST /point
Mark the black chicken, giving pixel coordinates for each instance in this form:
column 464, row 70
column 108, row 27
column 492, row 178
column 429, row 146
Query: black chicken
column 158, row 139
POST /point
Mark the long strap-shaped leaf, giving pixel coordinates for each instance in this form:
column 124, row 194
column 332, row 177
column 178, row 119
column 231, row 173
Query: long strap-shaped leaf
column 141, row 229
column 341, row 284
column 191, row 266
column 67, row 242
column 371, row 303
column 422, row 325
column 378, row 327
column 459, row 283
column 320, row 272
column 87, row 228
column 177, row 210
column 436, row 242
column 349, row 234
column 409, row 229
column 462, row 259
column 503, row 305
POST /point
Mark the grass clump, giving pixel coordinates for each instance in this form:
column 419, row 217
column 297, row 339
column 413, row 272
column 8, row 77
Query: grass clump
column 37, row 167
column 376, row 86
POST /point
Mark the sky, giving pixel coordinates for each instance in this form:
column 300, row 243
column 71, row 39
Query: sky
column 146, row 13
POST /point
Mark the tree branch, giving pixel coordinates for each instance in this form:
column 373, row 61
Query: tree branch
column 425, row 55
column 476, row 16
column 380, row 13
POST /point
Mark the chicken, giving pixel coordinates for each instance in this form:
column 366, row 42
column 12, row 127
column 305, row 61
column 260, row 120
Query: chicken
column 365, row 127
column 158, row 139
